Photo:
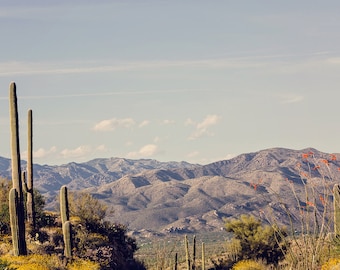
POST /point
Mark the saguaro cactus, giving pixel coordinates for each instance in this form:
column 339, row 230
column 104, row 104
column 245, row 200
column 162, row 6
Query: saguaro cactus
column 194, row 253
column 30, row 194
column 187, row 255
column 18, row 216
column 176, row 261
column 203, row 256
column 66, row 224
column 336, row 203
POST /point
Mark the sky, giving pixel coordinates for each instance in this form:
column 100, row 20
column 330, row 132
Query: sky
column 196, row 81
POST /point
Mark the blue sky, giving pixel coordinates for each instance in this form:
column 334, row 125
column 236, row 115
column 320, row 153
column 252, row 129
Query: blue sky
column 191, row 80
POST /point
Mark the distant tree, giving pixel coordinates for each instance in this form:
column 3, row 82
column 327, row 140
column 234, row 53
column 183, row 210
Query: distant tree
column 43, row 218
column 257, row 241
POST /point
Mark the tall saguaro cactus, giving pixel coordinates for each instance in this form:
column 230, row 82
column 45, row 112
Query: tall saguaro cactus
column 66, row 225
column 17, row 213
column 336, row 202
column 30, row 195
column 194, row 253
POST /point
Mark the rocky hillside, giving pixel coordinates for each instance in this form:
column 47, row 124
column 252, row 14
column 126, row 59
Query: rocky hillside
column 148, row 195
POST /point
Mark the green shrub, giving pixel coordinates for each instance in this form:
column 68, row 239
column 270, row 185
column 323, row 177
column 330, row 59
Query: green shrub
column 99, row 240
column 257, row 241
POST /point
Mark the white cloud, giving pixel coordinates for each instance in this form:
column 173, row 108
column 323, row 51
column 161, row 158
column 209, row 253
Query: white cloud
column 228, row 156
column 101, row 148
column 193, row 154
column 189, row 122
column 41, row 153
column 209, row 120
column 287, row 99
column 145, row 151
column 202, row 127
column 80, row 151
column 168, row 122
column 114, row 123
column 144, row 123
column 156, row 139
column 129, row 143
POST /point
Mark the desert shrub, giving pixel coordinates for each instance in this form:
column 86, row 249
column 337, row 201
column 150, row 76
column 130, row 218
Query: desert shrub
column 83, row 265
column 332, row 264
column 233, row 249
column 257, row 241
column 88, row 209
column 45, row 262
column 98, row 240
column 249, row 265
column 42, row 217
column 4, row 265
column 34, row 262
column 5, row 186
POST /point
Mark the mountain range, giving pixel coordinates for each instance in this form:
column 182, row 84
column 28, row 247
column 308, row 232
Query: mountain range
column 163, row 197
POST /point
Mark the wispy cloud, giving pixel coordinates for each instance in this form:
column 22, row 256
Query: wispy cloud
column 144, row 123
column 193, row 154
column 111, row 93
column 288, row 99
column 168, row 122
column 82, row 151
column 15, row 68
column 113, row 124
column 202, row 128
column 42, row 153
column 78, row 152
column 145, row 151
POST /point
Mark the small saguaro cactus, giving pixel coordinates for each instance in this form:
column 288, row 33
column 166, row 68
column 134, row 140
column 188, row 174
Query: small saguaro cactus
column 194, row 253
column 203, row 256
column 176, row 261
column 187, row 255
column 66, row 224
column 18, row 216
column 336, row 203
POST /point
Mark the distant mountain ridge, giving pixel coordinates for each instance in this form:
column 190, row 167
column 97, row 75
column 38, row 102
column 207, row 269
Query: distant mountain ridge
column 178, row 196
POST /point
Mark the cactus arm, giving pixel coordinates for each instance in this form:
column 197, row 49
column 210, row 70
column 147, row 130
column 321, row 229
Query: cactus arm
column 13, row 212
column 67, row 233
column 24, row 183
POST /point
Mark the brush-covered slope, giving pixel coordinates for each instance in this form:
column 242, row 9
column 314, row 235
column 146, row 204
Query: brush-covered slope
column 172, row 196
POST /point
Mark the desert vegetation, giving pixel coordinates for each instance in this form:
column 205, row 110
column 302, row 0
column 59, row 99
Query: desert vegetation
column 34, row 239
column 78, row 235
